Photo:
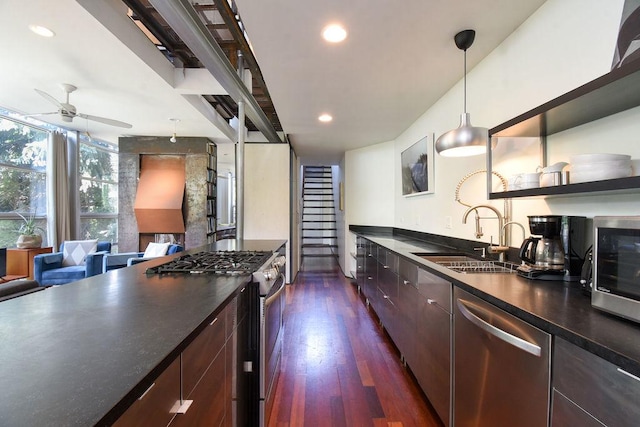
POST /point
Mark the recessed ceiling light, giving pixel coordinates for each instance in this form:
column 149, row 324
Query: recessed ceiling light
column 325, row 118
column 41, row 31
column 334, row 33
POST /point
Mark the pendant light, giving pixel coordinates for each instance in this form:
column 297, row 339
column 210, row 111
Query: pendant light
column 466, row 140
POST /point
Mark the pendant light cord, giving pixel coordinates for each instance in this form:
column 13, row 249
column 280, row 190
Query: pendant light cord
column 465, row 81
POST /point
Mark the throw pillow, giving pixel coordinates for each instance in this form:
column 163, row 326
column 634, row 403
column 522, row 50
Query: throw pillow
column 155, row 250
column 74, row 252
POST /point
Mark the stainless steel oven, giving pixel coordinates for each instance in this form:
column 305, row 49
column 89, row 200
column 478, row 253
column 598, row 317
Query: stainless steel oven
column 616, row 266
column 271, row 284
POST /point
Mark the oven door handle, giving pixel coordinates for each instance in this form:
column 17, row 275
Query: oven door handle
column 273, row 297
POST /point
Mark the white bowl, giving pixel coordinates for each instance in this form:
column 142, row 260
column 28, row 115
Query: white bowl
column 598, row 175
column 604, row 166
column 597, row 157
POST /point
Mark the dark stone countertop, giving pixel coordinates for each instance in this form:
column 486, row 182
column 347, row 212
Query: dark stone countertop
column 75, row 354
column 556, row 307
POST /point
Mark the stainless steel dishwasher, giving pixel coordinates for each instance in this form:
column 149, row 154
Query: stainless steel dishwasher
column 501, row 367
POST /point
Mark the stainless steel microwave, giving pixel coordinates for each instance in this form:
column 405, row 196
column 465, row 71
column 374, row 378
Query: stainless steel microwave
column 616, row 265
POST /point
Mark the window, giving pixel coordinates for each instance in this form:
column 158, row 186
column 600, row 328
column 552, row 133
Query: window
column 98, row 172
column 23, row 157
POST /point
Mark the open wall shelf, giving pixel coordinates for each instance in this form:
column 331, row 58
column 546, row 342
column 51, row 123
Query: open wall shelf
column 612, row 93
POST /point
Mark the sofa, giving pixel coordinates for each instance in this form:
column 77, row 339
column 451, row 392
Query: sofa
column 17, row 288
column 69, row 265
column 120, row 260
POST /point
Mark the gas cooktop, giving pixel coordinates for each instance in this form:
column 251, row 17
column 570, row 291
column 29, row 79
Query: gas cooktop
column 219, row 262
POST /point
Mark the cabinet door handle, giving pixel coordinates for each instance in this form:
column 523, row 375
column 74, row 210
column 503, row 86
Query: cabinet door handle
column 213, row 321
column 406, row 282
column 431, row 301
column 385, row 266
column 630, row 375
column 146, row 391
column 497, row 332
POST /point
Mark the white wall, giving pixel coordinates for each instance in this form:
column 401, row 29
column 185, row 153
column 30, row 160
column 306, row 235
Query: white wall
column 266, row 193
column 370, row 185
column 565, row 44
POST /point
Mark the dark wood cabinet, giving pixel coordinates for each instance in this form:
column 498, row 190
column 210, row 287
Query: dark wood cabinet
column 207, row 381
column 158, row 404
column 208, row 398
column 197, row 357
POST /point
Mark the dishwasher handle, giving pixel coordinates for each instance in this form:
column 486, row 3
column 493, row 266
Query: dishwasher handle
column 497, row 332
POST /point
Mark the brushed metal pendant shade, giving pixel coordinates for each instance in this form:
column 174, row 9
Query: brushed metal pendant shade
column 466, row 140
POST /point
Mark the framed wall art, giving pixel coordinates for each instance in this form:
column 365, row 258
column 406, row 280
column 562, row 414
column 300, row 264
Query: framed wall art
column 417, row 168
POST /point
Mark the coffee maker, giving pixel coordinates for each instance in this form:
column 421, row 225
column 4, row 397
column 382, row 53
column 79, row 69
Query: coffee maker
column 555, row 251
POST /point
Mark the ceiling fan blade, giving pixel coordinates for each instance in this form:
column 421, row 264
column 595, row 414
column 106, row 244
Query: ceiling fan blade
column 41, row 114
column 105, row 120
column 50, row 98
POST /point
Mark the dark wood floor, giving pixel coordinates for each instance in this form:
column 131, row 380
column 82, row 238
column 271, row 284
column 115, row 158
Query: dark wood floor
column 339, row 367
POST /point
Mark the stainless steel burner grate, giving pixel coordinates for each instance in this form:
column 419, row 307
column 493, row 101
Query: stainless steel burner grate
column 219, row 262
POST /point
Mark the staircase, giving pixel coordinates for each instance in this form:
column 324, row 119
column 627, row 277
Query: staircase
column 318, row 213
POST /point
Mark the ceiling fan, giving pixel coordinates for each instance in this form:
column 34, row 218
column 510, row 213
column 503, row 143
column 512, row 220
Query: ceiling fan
column 68, row 111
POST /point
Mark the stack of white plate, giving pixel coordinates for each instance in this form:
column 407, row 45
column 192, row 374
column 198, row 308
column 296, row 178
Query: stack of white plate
column 597, row 167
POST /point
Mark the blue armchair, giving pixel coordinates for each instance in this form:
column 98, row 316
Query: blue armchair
column 114, row 261
column 48, row 269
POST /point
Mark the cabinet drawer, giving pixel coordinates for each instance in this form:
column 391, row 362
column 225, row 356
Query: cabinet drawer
column 566, row 413
column 408, row 273
column 435, row 289
column 197, row 357
column 596, row 385
column 388, row 260
column 209, row 402
column 155, row 406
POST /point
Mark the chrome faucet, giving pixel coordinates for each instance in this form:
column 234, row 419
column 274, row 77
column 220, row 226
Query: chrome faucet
column 524, row 232
column 502, row 244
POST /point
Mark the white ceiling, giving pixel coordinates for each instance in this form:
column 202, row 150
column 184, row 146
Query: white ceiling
column 398, row 59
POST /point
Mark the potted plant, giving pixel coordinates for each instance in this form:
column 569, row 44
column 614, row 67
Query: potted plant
column 29, row 230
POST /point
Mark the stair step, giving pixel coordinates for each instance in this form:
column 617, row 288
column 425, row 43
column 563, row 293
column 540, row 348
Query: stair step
column 319, row 229
column 318, row 201
column 319, row 237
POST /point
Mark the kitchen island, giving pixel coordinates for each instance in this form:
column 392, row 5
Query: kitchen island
column 81, row 353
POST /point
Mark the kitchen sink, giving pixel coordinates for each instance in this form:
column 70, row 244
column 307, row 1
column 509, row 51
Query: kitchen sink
column 462, row 263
